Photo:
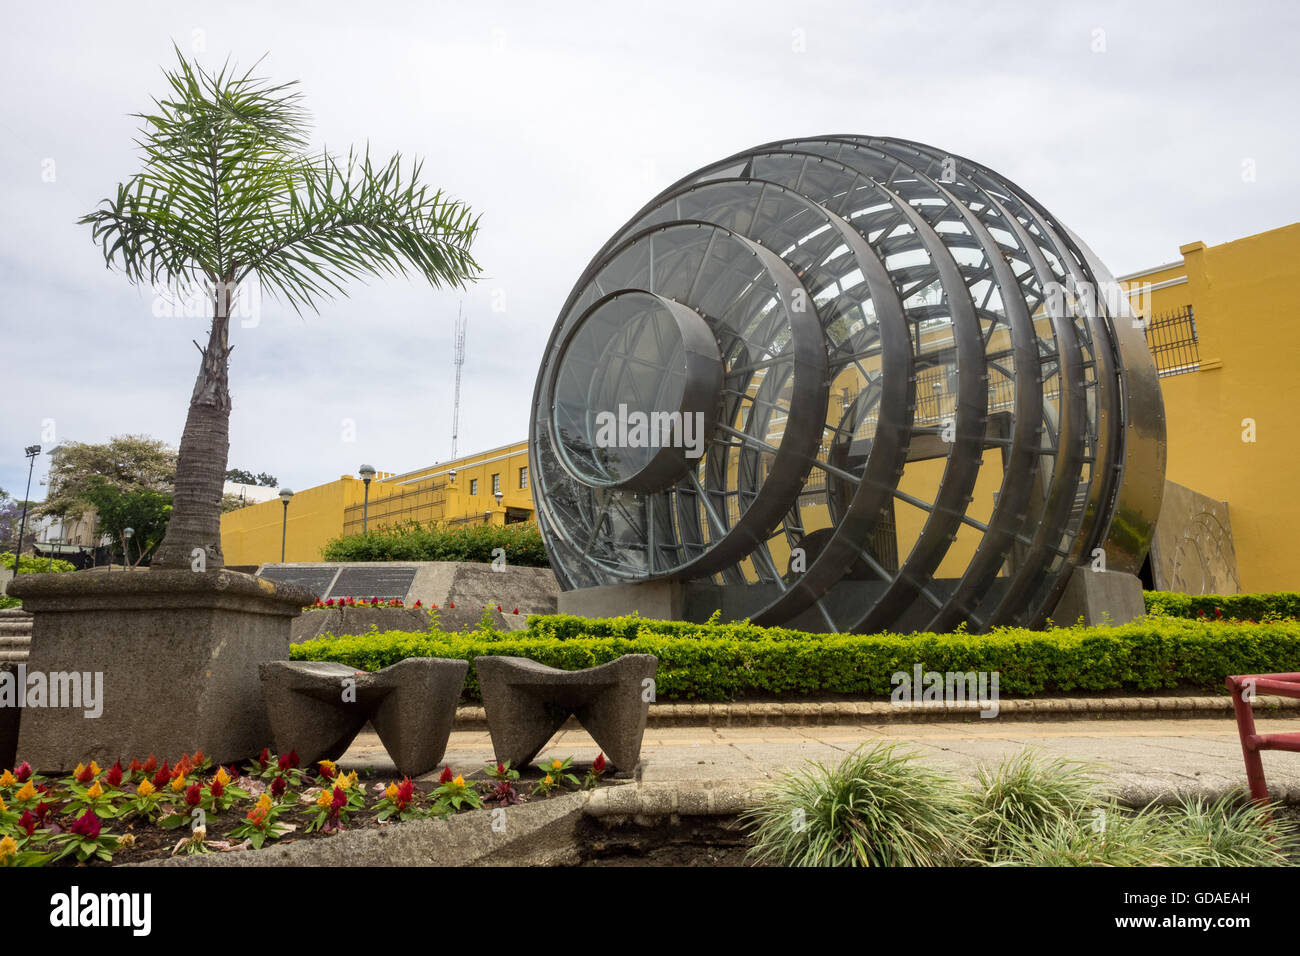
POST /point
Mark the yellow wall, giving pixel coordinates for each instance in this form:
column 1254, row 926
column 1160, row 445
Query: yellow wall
column 1242, row 297
column 252, row 535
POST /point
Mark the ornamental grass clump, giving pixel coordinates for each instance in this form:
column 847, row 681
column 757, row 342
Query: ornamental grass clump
column 1026, row 792
column 1229, row 831
column 876, row 808
column 1108, row 836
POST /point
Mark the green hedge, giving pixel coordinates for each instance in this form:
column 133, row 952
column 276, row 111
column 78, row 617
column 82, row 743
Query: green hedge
column 1279, row 605
column 417, row 542
column 724, row 662
column 30, row 564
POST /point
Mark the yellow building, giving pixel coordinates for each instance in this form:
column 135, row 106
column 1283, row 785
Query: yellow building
column 463, row 491
column 1223, row 325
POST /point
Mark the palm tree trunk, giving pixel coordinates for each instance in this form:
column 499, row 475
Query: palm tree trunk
column 201, row 464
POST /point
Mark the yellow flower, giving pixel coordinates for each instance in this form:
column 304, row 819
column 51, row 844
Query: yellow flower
column 178, row 783
column 557, row 764
column 81, row 767
column 548, row 781
column 7, row 848
column 94, row 768
column 264, row 802
column 95, row 791
column 346, row 781
column 391, row 791
column 145, row 788
column 3, row 808
column 326, row 764
column 459, row 781
column 222, row 777
column 7, row 779
column 325, row 800
column 28, row 792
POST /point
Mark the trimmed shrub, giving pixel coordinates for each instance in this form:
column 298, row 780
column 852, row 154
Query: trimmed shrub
column 34, row 565
column 414, row 541
column 729, row 661
column 1278, row 605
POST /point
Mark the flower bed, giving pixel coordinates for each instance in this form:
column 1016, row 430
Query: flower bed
column 146, row 810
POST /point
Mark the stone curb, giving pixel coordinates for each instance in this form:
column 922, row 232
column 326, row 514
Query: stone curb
column 754, row 714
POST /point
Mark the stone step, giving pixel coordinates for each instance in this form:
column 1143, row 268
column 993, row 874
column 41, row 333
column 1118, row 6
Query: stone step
column 15, row 627
column 15, row 640
column 7, row 612
column 16, row 656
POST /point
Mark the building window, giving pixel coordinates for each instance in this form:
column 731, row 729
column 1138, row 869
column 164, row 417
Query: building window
column 473, row 486
column 523, row 478
column 1173, row 341
column 496, row 484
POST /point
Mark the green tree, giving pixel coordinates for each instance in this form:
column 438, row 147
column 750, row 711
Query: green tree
column 230, row 196
column 242, row 477
column 126, row 462
column 145, row 512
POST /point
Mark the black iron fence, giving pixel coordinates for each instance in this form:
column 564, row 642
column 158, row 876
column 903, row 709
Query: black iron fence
column 1173, row 342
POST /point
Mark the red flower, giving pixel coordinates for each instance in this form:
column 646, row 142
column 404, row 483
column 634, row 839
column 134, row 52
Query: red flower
column 327, row 771
column 150, row 765
column 340, row 798
column 278, row 786
column 193, row 794
column 405, row 791
column 183, row 766
column 293, row 759
column 283, row 764
column 516, row 610
column 215, row 787
column 446, row 776
column 135, row 767
column 1218, row 612
column 23, row 772
column 198, row 759
column 418, row 603
column 86, row 775
column 162, row 777
column 43, row 810
column 28, row 822
column 87, row 825
column 451, row 604
column 498, row 607
column 598, row 765
column 114, row 776
column 501, row 769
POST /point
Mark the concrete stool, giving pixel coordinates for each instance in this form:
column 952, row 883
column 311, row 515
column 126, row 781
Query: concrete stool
column 319, row 707
column 527, row 702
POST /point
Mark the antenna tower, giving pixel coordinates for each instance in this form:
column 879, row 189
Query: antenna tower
column 460, row 363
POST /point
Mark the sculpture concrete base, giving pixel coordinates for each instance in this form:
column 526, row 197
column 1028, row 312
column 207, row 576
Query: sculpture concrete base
column 1100, row 598
column 527, row 702
column 165, row 663
column 318, row 707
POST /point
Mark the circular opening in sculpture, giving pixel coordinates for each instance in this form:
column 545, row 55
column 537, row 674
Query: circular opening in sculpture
column 635, row 392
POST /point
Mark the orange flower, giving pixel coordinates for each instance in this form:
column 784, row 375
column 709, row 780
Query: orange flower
column 7, row 779
column 145, row 788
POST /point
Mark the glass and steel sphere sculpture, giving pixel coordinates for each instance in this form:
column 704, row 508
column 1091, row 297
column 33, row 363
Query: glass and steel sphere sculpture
column 847, row 384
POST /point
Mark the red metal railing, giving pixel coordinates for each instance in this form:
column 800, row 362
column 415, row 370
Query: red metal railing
column 1245, row 688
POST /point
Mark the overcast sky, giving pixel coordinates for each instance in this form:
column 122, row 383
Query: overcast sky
column 556, row 122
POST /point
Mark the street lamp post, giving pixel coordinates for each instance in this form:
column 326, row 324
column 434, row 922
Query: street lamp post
column 127, row 534
column 285, row 495
column 31, row 451
column 367, row 472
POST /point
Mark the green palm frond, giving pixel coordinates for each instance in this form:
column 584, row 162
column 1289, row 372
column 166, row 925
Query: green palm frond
column 228, row 190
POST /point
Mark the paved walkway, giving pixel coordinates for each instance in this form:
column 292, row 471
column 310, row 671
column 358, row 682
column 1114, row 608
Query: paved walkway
column 1141, row 760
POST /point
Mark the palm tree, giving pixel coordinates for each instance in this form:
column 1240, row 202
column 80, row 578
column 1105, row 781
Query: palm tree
column 230, row 195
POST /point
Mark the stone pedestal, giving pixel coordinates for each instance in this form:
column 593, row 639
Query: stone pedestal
column 1099, row 597
column 173, row 655
column 526, row 703
column 318, row 707
column 661, row 600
